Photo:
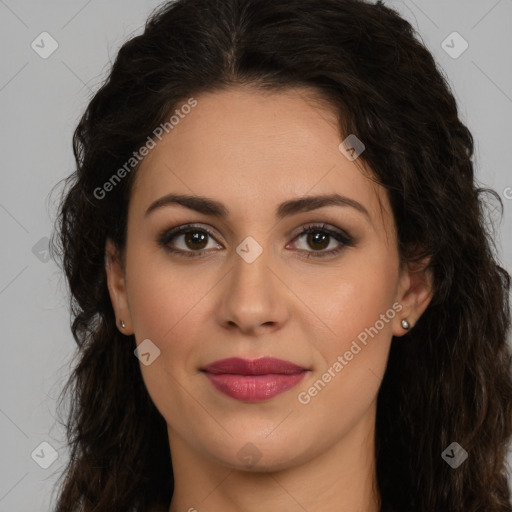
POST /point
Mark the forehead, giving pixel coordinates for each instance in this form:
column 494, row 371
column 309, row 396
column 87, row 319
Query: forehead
column 244, row 145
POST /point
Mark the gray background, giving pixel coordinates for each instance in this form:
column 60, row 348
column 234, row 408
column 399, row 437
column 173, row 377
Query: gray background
column 41, row 101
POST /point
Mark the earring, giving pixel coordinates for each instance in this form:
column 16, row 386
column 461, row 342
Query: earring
column 405, row 324
column 123, row 325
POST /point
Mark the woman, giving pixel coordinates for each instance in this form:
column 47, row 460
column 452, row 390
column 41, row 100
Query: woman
column 284, row 293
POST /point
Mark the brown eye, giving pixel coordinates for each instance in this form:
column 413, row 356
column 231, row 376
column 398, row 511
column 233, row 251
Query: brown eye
column 317, row 240
column 188, row 241
column 195, row 239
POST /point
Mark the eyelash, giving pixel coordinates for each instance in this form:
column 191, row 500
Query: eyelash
column 168, row 236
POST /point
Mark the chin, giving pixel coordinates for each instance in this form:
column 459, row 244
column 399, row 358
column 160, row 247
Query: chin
column 265, row 456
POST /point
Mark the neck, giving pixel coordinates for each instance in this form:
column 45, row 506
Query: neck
column 340, row 479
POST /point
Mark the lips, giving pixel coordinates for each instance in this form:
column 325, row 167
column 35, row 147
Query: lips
column 261, row 366
column 253, row 380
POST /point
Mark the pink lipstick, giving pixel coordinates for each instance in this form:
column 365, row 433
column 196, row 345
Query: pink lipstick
column 253, row 380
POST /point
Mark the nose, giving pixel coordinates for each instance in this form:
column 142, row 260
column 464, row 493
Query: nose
column 253, row 299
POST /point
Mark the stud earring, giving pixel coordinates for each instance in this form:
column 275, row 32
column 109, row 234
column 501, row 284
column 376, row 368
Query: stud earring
column 405, row 324
column 123, row 325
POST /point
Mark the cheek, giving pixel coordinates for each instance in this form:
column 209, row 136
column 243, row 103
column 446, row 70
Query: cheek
column 351, row 361
column 165, row 312
column 353, row 298
column 162, row 296
column 358, row 307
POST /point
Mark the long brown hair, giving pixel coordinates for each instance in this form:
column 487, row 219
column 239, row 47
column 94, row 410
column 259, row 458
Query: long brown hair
column 448, row 380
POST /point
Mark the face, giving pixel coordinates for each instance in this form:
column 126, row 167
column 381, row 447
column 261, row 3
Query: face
column 243, row 280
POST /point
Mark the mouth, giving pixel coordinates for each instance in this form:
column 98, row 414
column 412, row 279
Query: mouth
column 253, row 380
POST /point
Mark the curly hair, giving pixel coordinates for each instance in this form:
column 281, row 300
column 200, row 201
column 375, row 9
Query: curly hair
column 448, row 380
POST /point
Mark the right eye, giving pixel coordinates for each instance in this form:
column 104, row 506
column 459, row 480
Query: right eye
column 187, row 240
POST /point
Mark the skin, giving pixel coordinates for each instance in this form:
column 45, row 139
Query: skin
column 252, row 151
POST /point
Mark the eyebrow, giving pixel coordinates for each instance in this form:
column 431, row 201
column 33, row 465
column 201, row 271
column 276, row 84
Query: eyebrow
column 209, row 206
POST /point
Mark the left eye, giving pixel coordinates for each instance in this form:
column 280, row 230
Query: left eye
column 319, row 238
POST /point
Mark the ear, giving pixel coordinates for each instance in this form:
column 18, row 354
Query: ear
column 414, row 294
column 114, row 268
